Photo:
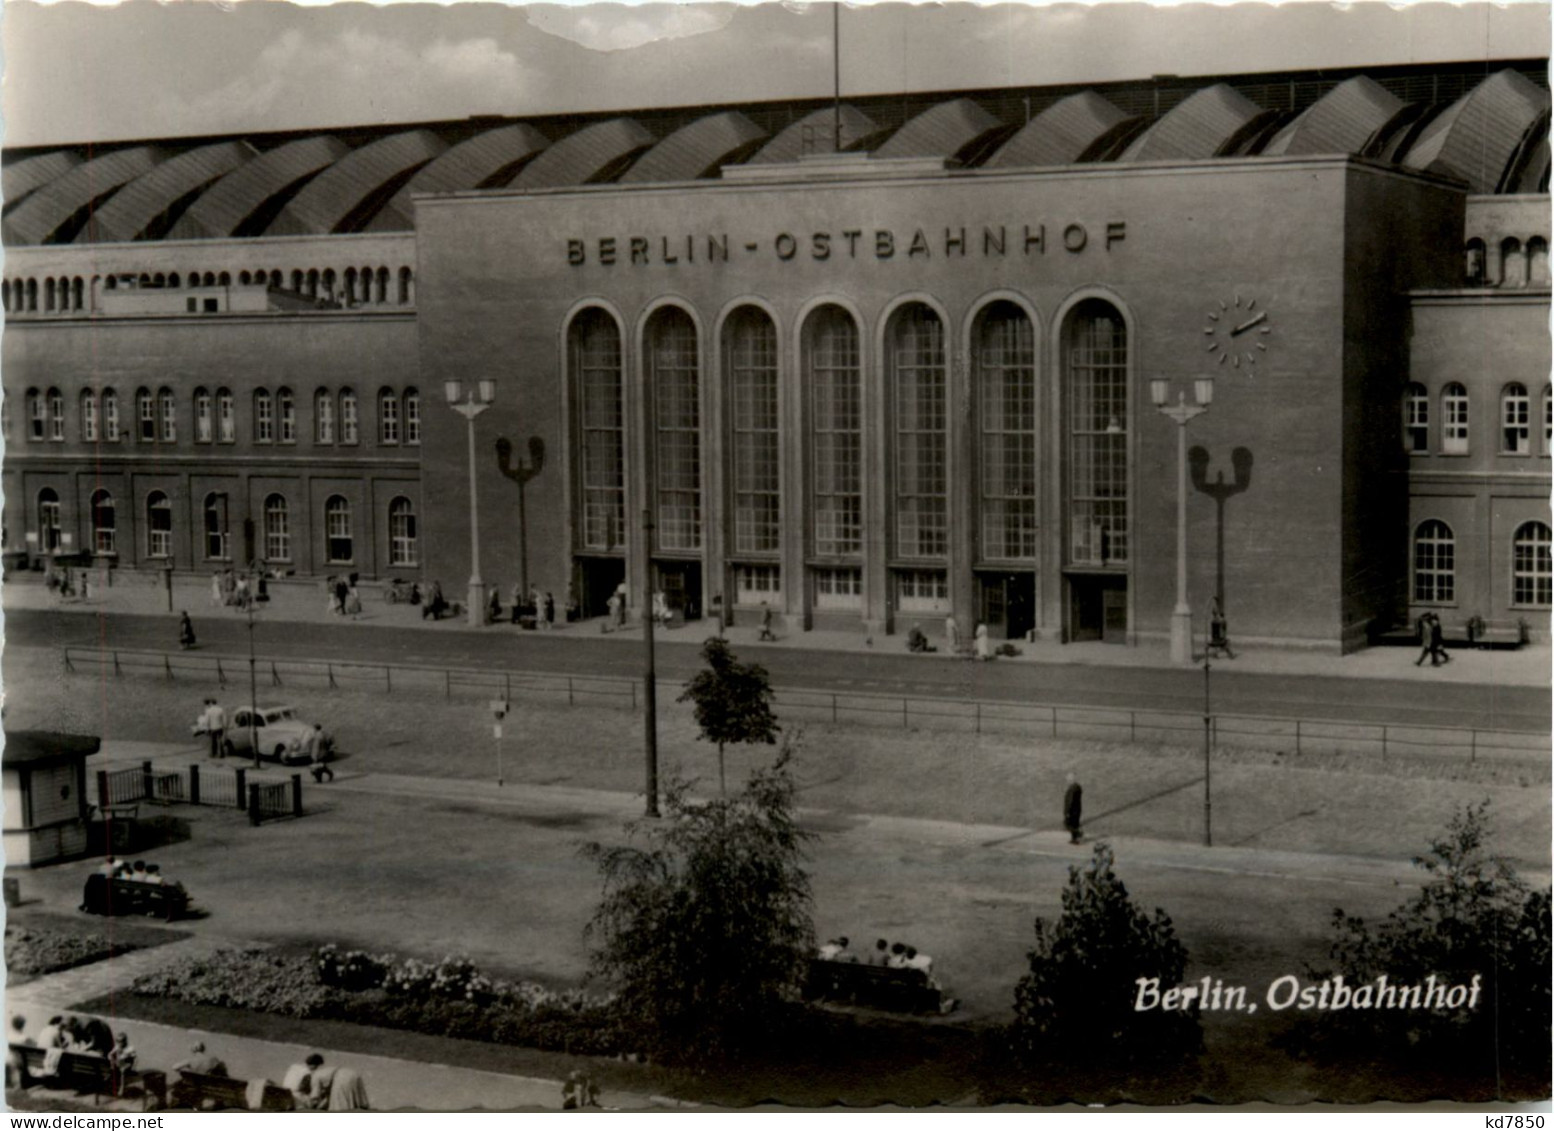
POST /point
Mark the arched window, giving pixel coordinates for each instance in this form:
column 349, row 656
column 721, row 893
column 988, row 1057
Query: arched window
column 145, row 416
column 594, row 347
column 50, row 528
column 350, row 426
column 323, row 417
column 750, row 360
column 37, row 416
column 264, row 417
column 1513, row 263
column 286, row 410
column 1538, row 261
column 405, row 286
column 169, row 415
column 834, row 398
column 111, row 431
column 105, row 538
column 159, row 526
column 1435, row 565
column 1454, row 416
column 1096, row 379
column 388, row 416
column 1473, row 267
column 412, row 416
column 337, row 529
column 56, row 416
column 1515, row 420
column 1531, row 572
column 1005, row 357
column 204, row 421
column 1416, row 419
column 91, row 430
column 675, row 382
column 402, row 533
column 217, row 527
column 919, row 425
column 226, row 416
column 277, row 529
column 32, row 295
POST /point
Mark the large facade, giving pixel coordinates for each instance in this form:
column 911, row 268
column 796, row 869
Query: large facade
column 902, row 382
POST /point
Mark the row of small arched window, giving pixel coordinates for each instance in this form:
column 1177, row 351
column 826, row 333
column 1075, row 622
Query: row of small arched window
column 1453, row 438
column 276, row 530
column 353, row 286
column 1516, row 265
column 1435, row 565
column 336, row 416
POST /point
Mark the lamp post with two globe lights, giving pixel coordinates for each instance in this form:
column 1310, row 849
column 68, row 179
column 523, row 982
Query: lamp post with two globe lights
column 480, row 395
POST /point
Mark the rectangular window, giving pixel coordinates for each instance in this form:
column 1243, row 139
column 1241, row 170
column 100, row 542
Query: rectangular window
column 37, row 427
column 1098, row 442
column 922, row 591
column 349, row 424
column 288, row 416
column 277, row 535
column 752, row 362
column 922, row 485
column 88, row 417
column 754, row 584
column 677, row 418
column 111, row 417
column 1416, row 423
column 147, row 415
column 227, row 417
column 838, row 588
column 202, row 419
column 837, row 435
column 388, row 418
column 264, row 420
column 413, row 419
column 324, row 419
column 1516, row 424
column 1006, row 367
column 169, row 409
column 596, row 354
column 1454, row 431
column 56, row 417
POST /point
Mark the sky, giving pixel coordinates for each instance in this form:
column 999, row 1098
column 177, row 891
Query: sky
column 76, row 72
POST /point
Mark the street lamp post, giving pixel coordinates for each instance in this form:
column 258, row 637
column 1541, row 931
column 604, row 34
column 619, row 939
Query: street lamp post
column 253, row 691
column 481, row 394
column 1181, row 412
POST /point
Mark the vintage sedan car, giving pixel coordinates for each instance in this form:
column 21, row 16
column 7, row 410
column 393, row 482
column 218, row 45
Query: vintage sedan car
column 276, row 731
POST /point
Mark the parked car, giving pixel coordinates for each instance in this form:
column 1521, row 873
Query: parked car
column 277, row 731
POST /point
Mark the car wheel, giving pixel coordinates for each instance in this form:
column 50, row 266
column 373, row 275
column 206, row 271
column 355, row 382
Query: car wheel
column 280, row 755
column 227, row 749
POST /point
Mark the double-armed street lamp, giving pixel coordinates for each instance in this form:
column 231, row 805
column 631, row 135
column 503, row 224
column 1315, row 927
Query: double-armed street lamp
column 1181, row 412
column 479, row 396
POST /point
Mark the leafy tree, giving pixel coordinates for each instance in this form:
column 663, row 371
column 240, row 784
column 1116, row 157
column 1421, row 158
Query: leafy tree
column 704, row 931
column 1076, row 1005
column 733, row 701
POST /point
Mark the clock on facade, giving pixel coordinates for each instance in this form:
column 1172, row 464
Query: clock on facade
column 1238, row 332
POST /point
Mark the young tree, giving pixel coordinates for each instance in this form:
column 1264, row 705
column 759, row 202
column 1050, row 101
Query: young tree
column 733, row 702
column 704, row 932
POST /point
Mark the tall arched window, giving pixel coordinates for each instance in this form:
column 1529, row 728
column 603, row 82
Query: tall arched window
column 159, row 526
column 204, row 420
column 90, row 432
column 50, row 528
column 337, row 529
column 350, row 428
column 1513, row 263
column 217, row 526
column 402, row 532
column 1096, row 379
column 56, row 416
column 1538, row 261
column 111, row 430
column 145, row 416
column 919, row 424
column 1531, row 573
column 388, row 416
column 1005, row 357
column 37, row 416
column 594, row 346
column 676, row 391
column 1454, row 420
column 286, row 413
column 264, row 417
column 1435, row 564
column 323, row 417
column 167, row 407
column 1515, row 420
column 226, row 416
column 750, row 361
column 834, row 384
column 277, row 529
column 412, row 416
column 105, row 537
column 1416, row 419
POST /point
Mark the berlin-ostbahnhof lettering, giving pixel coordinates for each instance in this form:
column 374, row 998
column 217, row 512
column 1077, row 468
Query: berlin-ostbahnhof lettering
column 851, row 243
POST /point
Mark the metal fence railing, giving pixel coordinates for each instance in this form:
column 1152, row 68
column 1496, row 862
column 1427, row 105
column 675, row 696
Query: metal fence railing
column 1293, row 735
column 268, row 800
column 217, row 786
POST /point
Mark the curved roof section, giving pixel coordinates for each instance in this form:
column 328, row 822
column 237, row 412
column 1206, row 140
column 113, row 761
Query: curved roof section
column 1341, row 121
column 1060, row 134
column 696, row 150
column 336, row 199
column 813, row 134
column 940, row 131
column 584, row 156
column 50, row 213
column 17, row 180
column 138, row 204
column 1196, row 128
column 470, row 164
column 221, row 209
column 1476, row 136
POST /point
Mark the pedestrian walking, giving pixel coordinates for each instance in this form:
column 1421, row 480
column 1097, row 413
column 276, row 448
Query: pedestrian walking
column 494, row 609
column 517, row 602
column 353, row 601
column 1438, row 654
column 316, row 758
column 216, row 727
column 766, row 622
column 612, row 608
column 185, row 631
column 1073, row 805
column 620, row 605
column 550, row 611
column 951, row 634
column 984, row 646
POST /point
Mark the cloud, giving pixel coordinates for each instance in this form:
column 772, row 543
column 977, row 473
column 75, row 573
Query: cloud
column 614, row 27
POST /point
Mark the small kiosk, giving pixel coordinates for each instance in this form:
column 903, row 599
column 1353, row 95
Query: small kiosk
column 45, row 795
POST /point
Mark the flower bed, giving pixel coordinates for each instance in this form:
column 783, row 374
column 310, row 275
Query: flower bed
column 451, row 998
column 32, row 951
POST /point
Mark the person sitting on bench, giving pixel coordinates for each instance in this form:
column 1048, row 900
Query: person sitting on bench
column 836, row 950
column 917, row 642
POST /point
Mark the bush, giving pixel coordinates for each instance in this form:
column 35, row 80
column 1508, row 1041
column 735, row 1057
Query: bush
column 35, row 950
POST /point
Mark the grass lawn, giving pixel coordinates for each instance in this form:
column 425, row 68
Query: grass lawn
column 39, row 942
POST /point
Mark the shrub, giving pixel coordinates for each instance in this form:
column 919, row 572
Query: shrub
column 36, row 950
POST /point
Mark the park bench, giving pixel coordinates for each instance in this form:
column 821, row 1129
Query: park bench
column 89, row 1072
column 878, row 987
column 103, row 896
column 218, row 1093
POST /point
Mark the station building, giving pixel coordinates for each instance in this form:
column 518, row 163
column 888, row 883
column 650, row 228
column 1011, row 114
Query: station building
column 868, row 365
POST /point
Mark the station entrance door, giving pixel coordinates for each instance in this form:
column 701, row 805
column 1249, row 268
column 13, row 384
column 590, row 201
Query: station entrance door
column 597, row 578
column 681, row 583
column 1098, row 608
column 1007, row 604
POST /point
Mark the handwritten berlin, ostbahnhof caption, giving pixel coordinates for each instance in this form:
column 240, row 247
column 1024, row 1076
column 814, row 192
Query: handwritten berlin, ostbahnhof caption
column 1287, row 992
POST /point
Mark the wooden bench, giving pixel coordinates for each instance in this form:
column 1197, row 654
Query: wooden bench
column 879, row 987
column 103, row 896
column 219, row 1093
column 89, row 1072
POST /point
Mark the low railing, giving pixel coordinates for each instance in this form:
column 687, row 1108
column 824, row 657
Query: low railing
column 1293, row 735
column 268, row 800
column 216, row 786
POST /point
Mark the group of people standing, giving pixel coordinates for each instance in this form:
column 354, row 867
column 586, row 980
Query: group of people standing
column 238, row 590
column 981, row 643
column 64, row 583
column 537, row 605
column 344, row 600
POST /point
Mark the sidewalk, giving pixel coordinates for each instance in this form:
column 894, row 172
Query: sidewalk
column 304, row 601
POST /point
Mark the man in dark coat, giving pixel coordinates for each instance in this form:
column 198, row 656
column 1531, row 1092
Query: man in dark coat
column 1437, row 645
column 1073, row 803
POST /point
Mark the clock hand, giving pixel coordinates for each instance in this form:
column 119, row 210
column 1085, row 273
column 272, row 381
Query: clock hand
column 1248, row 324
